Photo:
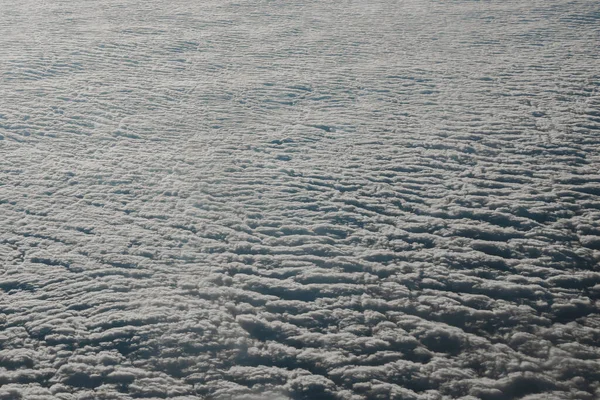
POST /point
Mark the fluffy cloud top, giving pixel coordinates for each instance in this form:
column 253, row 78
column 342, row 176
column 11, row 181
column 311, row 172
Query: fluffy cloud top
column 310, row 200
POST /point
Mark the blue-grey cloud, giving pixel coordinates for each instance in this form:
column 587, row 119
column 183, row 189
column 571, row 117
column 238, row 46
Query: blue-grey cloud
column 265, row 200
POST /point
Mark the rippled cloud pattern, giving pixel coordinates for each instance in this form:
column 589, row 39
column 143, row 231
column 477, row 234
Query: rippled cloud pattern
column 266, row 199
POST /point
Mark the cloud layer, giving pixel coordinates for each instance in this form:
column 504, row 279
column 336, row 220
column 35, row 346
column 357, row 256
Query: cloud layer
column 323, row 200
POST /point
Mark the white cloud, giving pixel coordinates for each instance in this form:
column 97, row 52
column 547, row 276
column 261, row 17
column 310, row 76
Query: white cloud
column 267, row 200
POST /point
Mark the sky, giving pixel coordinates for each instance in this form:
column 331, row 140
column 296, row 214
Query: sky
column 252, row 199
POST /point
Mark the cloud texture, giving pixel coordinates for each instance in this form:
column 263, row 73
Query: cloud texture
column 299, row 200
